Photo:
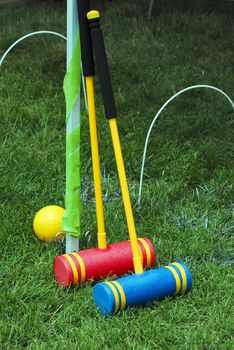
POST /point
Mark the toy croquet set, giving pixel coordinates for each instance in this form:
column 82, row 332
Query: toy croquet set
column 137, row 255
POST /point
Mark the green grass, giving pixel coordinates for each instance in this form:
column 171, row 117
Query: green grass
column 188, row 191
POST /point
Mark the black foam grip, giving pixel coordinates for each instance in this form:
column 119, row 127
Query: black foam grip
column 103, row 69
column 85, row 39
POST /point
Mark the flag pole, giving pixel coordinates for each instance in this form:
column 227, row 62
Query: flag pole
column 71, row 219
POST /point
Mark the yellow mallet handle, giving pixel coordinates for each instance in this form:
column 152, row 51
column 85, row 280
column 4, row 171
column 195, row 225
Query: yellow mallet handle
column 96, row 163
column 88, row 72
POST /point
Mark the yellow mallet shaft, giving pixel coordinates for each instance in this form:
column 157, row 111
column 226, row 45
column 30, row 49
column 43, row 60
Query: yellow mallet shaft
column 96, row 163
column 138, row 267
column 88, row 72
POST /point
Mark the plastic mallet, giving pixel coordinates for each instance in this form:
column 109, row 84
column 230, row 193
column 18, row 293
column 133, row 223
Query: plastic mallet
column 113, row 259
column 141, row 287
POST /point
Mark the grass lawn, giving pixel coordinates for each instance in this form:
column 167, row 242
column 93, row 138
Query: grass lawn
column 188, row 191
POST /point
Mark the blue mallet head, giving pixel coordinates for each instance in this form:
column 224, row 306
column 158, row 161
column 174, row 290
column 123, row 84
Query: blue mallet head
column 136, row 290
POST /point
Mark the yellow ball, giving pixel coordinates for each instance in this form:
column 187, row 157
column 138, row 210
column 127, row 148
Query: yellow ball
column 48, row 222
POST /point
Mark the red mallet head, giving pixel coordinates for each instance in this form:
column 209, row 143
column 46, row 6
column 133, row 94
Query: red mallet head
column 95, row 263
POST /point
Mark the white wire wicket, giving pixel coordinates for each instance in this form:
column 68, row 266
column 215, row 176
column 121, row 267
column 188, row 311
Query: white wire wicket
column 49, row 32
column 157, row 116
column 28, row 36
